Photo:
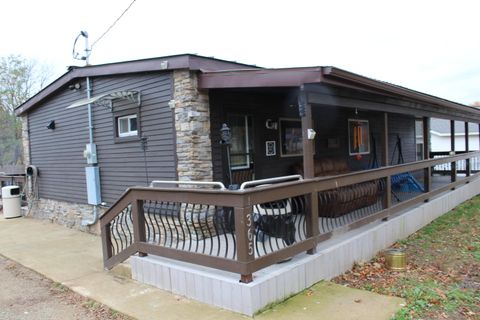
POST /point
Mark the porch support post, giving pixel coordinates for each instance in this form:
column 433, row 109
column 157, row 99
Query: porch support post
column 426, row 151
column 138, row 216
column 308, row 144
column 106, row 242
column 453, row 165
column 387, row 200
column 467, row 149
column 244, row 233
column 305, row 111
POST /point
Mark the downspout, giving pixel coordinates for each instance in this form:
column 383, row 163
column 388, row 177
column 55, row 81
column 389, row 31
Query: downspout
column 90, row 140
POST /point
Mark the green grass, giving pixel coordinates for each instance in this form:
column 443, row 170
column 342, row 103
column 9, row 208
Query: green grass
column 447, row 256
column 442, row 280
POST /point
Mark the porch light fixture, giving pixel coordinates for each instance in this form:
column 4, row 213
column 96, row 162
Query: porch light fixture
column 225, row 135
column 51, row 125
column 226, row 140
column 75, row 86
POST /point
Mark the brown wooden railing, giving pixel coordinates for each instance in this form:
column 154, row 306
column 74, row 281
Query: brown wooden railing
column 223, row 229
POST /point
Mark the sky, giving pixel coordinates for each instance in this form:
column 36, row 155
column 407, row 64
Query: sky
column 428, row 46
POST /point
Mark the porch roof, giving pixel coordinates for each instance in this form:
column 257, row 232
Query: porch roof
column 296, row 77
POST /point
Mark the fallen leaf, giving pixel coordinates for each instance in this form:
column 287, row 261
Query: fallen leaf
column 440, row 293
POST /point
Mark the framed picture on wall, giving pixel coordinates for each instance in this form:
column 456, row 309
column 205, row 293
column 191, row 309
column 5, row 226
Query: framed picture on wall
column 270, row 148
column 291, row 138
column 358, row 137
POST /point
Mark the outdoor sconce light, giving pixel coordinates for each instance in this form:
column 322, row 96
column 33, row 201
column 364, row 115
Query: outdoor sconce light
column 225, row 134
column 51, row 125
column 226, row 140
column 270, row 124
column 75, row 86
column 311, row 134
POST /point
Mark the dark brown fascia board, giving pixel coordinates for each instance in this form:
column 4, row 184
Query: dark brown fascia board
column 339, row 74
column 189, row 61
column 149, row 65
column 291, row 77
column 295, row 77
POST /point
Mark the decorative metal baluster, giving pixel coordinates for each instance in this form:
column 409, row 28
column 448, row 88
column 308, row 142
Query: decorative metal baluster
column 194, row 227
column 123, row 235
column 182, row 225
column 148, row 220
column 202, row 226
column 168, row 221
column 216, row 218
column 156, row 212
column 186, row 222
column 113, row 226
column 209, row 229
column 162, row 216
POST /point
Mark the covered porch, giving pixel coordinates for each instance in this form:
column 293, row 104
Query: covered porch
column 282, row 123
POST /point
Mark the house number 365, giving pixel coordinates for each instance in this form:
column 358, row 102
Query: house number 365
column 250, row 235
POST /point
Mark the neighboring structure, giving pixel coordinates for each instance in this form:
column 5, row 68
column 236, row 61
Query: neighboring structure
column 440, row 135
column 160, row 119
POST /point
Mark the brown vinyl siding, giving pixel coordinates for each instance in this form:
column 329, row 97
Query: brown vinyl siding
column 59, row 153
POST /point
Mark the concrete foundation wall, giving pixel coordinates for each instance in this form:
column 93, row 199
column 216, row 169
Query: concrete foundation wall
column 280, row 281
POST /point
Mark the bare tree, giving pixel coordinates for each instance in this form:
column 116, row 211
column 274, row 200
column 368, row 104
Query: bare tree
column 19, row 80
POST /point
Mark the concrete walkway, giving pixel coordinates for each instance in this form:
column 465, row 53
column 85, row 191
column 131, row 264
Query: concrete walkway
column 74, row 259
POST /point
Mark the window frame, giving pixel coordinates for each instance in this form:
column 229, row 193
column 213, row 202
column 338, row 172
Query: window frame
column 419, row 152
column 365, row 126
column 129, row 132
column 248, row 124
column 282, row 132
column 127, row 113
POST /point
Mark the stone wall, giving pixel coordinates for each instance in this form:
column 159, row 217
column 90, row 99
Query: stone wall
column 192, row 125
column 64, row 213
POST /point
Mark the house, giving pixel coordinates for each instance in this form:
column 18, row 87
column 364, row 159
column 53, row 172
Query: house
column 97, row 137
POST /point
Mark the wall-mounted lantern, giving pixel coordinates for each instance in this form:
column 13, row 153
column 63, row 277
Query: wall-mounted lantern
column 225, row 135
column 75, row 86
column 51, row 125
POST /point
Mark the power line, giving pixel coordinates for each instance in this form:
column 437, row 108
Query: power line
column 113, row 24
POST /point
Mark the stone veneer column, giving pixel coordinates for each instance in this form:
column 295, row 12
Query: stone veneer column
column 25, row 140
column 192, row 125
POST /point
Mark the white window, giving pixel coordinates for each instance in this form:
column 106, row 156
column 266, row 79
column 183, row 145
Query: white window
column 127, row 126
